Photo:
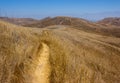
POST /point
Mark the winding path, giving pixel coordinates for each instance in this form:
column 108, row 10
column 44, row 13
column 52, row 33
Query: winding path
column 42, row 72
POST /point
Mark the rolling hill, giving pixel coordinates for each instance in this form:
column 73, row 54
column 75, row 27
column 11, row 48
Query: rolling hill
column 18, row 21
column 100, row 27
column 77, row 23
column 113, row 21
column 59, row 53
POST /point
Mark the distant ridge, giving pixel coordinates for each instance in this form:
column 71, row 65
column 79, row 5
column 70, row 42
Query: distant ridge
column 78, row 23
column 100, row 27
column 18, row 21
column 115, row 21
column 59, row 20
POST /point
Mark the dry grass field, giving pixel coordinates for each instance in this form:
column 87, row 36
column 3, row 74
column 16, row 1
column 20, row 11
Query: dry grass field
column 57, row 54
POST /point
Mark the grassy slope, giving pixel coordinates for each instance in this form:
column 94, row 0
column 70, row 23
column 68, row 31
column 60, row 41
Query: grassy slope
column 78, row 23
column 75, row 56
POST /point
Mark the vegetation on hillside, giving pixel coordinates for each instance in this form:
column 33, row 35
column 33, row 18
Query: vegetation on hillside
column 75, row 55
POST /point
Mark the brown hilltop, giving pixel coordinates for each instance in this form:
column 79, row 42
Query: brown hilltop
column 18, row 21
column 78, row 23
column 115, row 21
column 60, row 20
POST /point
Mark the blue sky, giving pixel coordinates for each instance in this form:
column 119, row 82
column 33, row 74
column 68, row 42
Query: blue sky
column 43, row 8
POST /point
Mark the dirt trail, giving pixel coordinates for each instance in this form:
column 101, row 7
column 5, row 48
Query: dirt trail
column 42, row 71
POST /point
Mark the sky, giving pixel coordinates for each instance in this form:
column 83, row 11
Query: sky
column 45, row 8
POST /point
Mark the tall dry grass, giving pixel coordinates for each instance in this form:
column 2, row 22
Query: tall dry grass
column 75, row 56
column 80, row 59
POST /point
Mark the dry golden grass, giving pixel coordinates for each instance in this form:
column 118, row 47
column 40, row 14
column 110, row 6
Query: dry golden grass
column 83, row 57
column 75, row 56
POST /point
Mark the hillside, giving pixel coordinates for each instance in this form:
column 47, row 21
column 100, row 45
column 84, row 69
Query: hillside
column 60, row 20
column 77, row 23
column 57, row 54
column 18, row 21
column 110, row 21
